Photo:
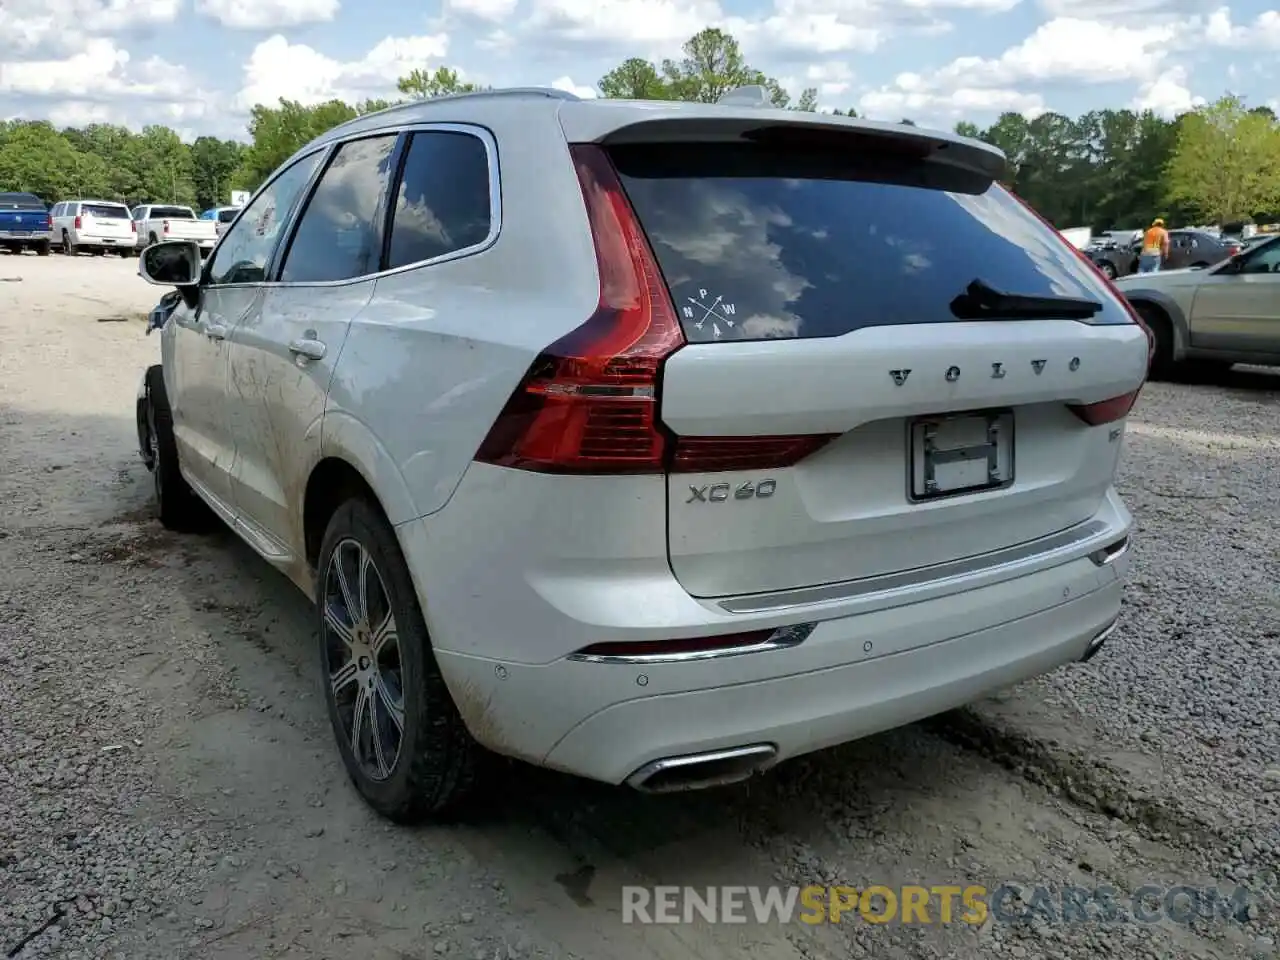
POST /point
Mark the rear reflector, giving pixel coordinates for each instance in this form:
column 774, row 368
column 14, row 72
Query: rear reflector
column 1106, row 411
column 589, row 402
column 722, row 454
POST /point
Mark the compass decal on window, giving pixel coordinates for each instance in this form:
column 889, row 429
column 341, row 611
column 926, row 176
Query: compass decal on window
column 704, row 309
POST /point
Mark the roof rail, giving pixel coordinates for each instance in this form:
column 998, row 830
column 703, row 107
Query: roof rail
column 550, row 92
column 752, row 95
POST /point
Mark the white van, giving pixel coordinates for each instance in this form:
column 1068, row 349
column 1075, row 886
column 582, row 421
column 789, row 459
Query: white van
column 92, row 225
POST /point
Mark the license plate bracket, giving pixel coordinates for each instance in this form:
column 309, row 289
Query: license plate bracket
column 960, row 454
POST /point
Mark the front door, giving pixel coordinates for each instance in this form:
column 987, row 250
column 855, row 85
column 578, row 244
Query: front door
column 1237, row 307
column 231, row 291
column 283, row 354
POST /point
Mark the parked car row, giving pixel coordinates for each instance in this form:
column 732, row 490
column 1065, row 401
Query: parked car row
column 103, row 226
column 1187, row 248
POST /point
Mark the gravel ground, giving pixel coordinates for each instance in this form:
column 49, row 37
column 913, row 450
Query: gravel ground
column 168, row 788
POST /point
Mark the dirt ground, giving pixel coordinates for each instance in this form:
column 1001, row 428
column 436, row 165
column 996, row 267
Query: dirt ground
column 169, row 787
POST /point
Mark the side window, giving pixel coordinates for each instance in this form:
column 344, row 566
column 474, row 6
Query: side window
column 1263, row 260
column 139, row 213
column 443, row 203
column 339, row 235
column 245, row 249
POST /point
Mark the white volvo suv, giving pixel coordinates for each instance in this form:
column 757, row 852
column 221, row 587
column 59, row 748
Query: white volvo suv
column 652, row 442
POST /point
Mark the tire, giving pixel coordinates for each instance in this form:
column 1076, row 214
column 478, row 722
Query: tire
column 1108, row 270
column 431, row 766
column 152, row 238
column 177, row 506
column 42, row 248
column 68, row 248
column 124, row 253
column 1162, row 365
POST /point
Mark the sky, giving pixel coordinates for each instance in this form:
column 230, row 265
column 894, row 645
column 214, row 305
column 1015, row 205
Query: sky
column 199, row 65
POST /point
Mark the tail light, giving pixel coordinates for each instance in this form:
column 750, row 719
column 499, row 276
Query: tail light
column 79, row 223
column 1106, row 411
column 48, row 223
column 589, row 402
column 133, row 226
column 166, row 226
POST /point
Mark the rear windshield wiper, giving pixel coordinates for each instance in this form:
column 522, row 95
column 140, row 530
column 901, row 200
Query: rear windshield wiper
column 980, row 300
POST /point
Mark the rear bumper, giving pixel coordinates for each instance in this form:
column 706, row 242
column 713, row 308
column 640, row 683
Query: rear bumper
column 12, row 236
column 874, row 660
column 91, row 240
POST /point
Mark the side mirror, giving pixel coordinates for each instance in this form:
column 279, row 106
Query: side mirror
column 171, row 263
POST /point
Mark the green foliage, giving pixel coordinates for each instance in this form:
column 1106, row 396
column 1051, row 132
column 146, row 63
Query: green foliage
column 1226, row 162
column 423, row 84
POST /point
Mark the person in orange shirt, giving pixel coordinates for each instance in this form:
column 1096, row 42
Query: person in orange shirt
column 1155, row 247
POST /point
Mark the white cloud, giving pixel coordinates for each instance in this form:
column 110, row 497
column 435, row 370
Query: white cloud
column 1168, row 94
column 568, row 86
column 267, row 14
column 494, row 11
column 101, row 70
column 277, row 68
column 1067, row 49
column 1135, row 12
column 625, row 23
column 66, row 25
column 1263, row 33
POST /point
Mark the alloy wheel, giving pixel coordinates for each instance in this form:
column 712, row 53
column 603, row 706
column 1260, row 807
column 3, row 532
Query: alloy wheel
column 362, row 659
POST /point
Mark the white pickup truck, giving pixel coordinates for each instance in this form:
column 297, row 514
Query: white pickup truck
column 153, row 222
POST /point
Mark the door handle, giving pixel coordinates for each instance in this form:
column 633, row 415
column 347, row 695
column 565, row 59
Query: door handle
column 307, row 348
column 215, row 331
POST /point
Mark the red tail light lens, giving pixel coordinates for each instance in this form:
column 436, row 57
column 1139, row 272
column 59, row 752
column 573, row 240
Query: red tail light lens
column 722, row 454
column 48, row 222
column 133, row 226
column 589, row 402
column 1110, row 285
column 1106, row 411
column 78, row 223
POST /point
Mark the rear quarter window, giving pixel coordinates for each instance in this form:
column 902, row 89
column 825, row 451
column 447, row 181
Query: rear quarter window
column 758, row 243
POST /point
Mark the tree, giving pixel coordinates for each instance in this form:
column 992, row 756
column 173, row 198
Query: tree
column 966, row 129
column 214, row 163
column 1226, row 164
column 423, row 84
column 712, row 65
column 635, row 79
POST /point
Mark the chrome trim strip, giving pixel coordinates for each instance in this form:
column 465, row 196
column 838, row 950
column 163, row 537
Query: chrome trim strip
column 764, row 751
column 781, row 639
column 1099, row 639
column 934, row 575
column 1111, row 552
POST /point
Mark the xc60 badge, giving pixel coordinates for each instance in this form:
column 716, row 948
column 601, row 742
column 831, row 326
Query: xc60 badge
column 720, row 492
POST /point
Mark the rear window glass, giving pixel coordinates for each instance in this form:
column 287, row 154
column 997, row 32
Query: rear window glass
column 172, row 213
column 21, row 201
column 226, row 216
column 105, row 211
column 760, row 242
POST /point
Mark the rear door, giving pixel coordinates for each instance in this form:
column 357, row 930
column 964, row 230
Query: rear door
column 846, row 412
column 283, row 353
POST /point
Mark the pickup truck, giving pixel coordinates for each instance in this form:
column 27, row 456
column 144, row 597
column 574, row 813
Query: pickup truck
column 25, row 223
column 153, row 222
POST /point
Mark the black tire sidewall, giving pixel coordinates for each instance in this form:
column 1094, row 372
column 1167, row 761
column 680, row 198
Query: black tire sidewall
column 395, row 796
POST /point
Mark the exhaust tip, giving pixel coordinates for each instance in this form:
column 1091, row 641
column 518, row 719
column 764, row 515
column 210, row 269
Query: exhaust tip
column 1099, row 639
column 697, row 771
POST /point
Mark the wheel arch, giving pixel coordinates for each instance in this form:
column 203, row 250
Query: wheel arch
column 1164, row 305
